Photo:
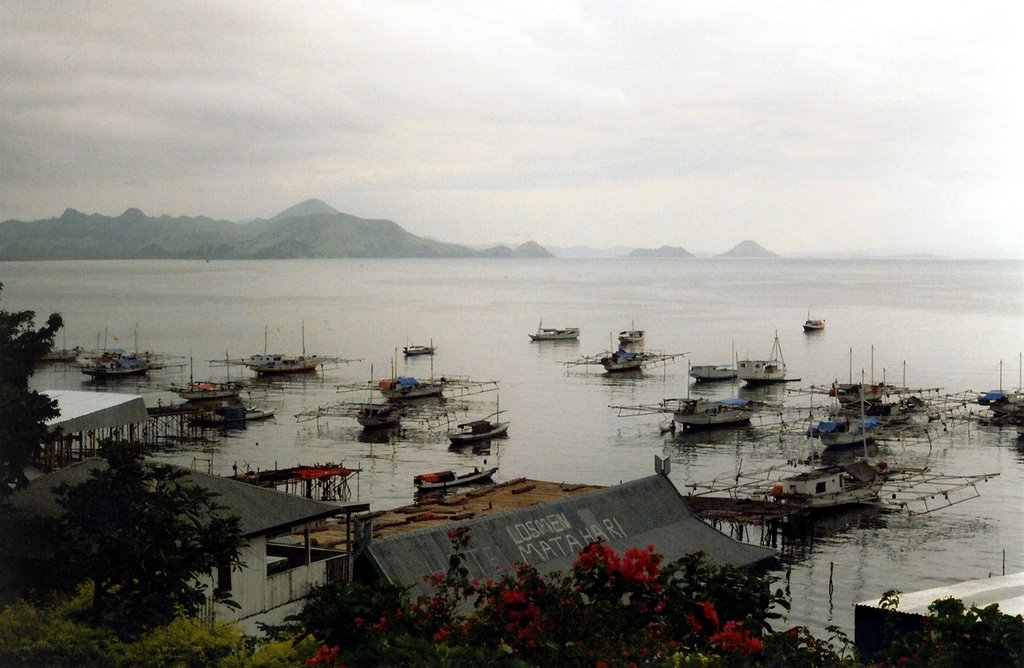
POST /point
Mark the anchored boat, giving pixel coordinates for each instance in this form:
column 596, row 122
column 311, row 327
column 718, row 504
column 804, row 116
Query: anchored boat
column 555, row 333
column 762, row 372
column 439, row 480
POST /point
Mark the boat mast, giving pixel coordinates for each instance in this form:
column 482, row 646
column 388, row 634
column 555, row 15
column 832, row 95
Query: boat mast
column 863, row 428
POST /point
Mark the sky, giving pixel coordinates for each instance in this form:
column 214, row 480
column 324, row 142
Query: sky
column 805, row 126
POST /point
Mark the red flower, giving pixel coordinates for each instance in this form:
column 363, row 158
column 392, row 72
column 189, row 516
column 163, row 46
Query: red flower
column 736, row 638
column 708, row 608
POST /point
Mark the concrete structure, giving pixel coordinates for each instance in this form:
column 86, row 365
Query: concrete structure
column 549, row 535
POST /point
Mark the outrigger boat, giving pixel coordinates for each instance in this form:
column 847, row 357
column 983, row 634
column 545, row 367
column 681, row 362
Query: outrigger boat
column 845, row 433
column 380, row 416
column 406, row 387
column 828, row 487
column 441, row 480
column 228, row 415
column 555, row 333
column 197, row 391
column 625, row 360
column 622, row 360
column 273, row 364
column 691, row 414
column 117, row 363
column 207, row 391
column 913, row 490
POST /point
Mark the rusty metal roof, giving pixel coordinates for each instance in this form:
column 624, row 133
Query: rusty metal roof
column 548, row 536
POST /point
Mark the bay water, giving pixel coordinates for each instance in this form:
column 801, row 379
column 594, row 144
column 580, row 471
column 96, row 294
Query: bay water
column 954, row 325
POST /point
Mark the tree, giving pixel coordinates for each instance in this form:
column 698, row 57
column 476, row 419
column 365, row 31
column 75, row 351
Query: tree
column 23, row 412
column 143, row 535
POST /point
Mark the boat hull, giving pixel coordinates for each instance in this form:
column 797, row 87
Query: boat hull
column 463, row 438
column 425, row 485
column 708, row 373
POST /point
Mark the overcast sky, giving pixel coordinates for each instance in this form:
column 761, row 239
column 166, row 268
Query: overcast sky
column 804, row 126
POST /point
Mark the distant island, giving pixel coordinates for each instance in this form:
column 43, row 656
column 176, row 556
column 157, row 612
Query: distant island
column 744, row 249
column 310, row 229
column 747, row 249
column 664, row 251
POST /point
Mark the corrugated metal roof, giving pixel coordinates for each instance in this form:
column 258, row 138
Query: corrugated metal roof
column 260, row 510
column 83, row 411
column 648, row 511
column 1006, row 590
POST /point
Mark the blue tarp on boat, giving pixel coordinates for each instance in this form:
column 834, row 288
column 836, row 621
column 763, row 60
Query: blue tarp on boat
column 734, row 401
column 988, row 397
column 625, row 354
column 406, row 381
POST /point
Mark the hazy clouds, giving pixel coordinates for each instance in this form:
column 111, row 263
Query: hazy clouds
column 804, row 126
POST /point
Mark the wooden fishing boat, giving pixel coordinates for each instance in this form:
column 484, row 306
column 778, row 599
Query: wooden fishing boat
column 853, row 393
column 63, row 355
column 271, row 365
column 705, row 373
column 622, row 360
column 845, row 433
column 630, row 337
column 476, row 431
column 380, row 416
column 762, row 372
column 207, row 391
column 117, row 363
column 813, row 324
column 440, row 480
column 693, row 414
column 228, row 415
column 828, row 487
column 555, row 333
column 274, row 364
column 414, row 350
column 405, row 387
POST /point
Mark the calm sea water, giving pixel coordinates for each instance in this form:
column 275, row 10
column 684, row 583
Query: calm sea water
column 950, row 324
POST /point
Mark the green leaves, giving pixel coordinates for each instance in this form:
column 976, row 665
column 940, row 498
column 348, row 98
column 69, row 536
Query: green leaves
column 145, row 537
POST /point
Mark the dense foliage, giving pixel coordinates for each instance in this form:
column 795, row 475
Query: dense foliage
column 23, row 412
column 954, row 635
column 142, row 535
column 609, row 610
column 57, row 635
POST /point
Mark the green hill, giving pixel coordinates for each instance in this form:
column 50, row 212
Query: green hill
column 311, row 229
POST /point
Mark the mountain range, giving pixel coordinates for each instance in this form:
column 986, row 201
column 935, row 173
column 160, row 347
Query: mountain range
column 310, row 229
